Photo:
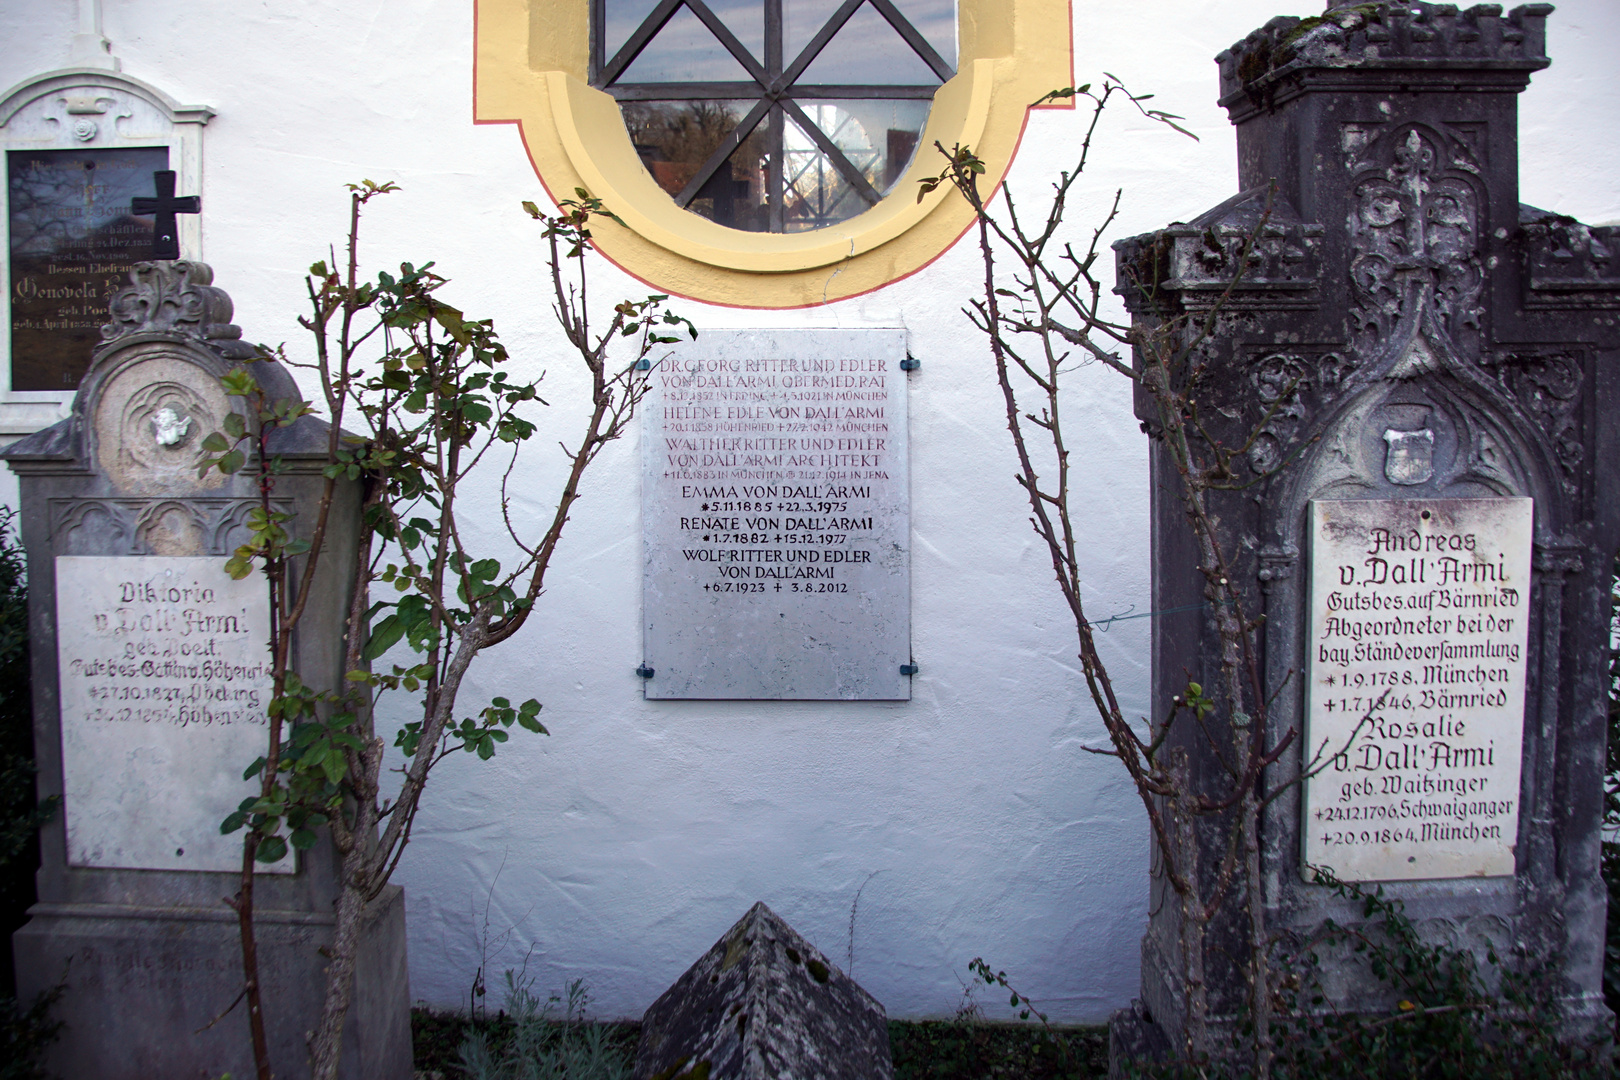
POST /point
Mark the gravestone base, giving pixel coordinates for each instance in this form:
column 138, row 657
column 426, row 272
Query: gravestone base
column 142, row 982
column 1150, row 1029
column 1133, row 1038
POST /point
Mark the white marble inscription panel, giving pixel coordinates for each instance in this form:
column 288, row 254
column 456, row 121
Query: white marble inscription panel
column 776, row 517
column 1419, row 616
column 165, row 676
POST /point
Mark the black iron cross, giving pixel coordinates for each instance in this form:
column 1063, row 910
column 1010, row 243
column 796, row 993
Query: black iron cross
column 165, row 230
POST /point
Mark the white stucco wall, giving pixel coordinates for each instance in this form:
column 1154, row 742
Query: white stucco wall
column 623, row 845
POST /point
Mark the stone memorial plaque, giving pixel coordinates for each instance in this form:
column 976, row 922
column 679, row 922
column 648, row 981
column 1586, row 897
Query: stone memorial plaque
column 164, row 670
column 776, row 517
column 72, row 243
column 1419, row 616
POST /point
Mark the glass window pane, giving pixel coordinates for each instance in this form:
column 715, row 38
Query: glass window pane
column 746, row 19
column 935, row 20
column 889, row 133
column 620, row 21
column 684, row 51
column 678, row 127
column 801, row 20
column 674, row 140
column 737, row 196
column 868, row 50
column 815, row 192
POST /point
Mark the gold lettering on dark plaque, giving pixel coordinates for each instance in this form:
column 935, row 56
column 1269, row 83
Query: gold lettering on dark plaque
column 72, row 243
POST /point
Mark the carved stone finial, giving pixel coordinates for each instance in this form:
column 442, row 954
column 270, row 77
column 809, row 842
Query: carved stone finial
column 1384, row 36
column 172, row 297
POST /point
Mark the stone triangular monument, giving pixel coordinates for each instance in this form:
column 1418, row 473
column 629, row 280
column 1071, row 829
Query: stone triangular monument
column 764, row 1004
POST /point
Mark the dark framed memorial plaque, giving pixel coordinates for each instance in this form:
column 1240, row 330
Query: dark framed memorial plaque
column 71, row 242
column 69, row 237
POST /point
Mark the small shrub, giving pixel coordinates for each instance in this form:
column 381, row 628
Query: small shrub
column 25, row 1033
column 540, row 1046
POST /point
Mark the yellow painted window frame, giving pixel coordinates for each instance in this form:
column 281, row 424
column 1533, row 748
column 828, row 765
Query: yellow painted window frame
column 531, row 62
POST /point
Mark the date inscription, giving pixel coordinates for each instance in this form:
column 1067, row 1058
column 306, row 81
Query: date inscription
column 1415, row 700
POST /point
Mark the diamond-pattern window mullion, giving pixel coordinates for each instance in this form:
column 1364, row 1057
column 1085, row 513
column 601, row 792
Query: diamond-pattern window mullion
column 723, row 152
column 773, row 39
column 808, row 54
column 723, row 32
column 775, row 90
column 846, row 168
column 918, row 43
column 776, row 211
column 598, row 40
column 644, row 33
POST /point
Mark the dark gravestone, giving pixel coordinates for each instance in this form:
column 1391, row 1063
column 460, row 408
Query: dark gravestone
column 73, row 239
column 1433, row 366
column 150, row 686
column 764, row 1004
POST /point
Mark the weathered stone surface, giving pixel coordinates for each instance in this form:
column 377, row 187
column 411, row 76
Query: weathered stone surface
column 764, row 1004
column 165, row 679
column 1406, row 332
column 148, row 680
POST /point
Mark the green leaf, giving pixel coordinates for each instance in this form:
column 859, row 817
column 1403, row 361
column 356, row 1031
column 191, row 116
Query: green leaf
column 232, row 461
column 450, row 319
column 238, row 383
column 215, row 442
column 303, row 839
column 253, row 769
column 271, row 849
column 383, row 637
column 334, row 765
column 234, row 425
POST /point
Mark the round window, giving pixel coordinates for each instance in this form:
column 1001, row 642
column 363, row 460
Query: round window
column 746, row 146
column 774, row 115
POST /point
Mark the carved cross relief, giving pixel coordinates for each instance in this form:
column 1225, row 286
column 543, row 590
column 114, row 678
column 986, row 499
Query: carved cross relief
column 1417, row 275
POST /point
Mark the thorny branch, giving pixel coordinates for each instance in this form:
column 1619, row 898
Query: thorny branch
column 429, row 410
column 1036, row 317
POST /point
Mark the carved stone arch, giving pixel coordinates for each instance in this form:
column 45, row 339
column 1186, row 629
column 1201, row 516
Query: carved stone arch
column 1481, row 443
column 91, row 527
column 1484, row 443
column 164, row 352
column 171, row 527
column 144, row 409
